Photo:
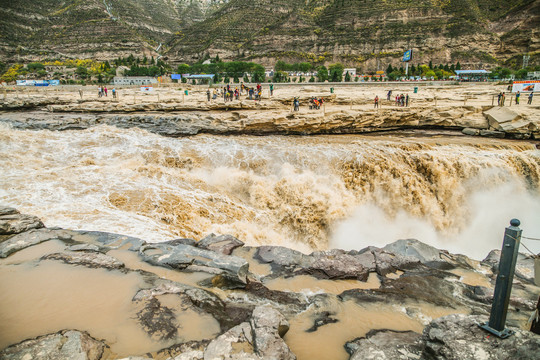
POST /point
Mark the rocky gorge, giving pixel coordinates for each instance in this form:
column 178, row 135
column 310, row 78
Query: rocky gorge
column 217, row 298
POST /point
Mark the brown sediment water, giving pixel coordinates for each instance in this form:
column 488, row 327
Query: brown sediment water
column 307, row 283
column 354, row 321
column 34, row 252
column 472, row 278
column 51, row 296
column 394, row 275
column 254, row 266
column 132, row 261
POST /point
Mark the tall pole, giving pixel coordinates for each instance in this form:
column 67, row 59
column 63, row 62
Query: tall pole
column 407, row 69
column 503, row 284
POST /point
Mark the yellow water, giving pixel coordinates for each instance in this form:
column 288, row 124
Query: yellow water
column 472, row 278
column 309, row 284
column 303, row 192
column 354, row 321
column 51, row 296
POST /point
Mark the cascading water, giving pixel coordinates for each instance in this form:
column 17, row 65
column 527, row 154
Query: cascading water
column 303, row 192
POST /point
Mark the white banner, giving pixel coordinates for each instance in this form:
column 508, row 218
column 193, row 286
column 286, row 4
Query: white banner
column 526, row 86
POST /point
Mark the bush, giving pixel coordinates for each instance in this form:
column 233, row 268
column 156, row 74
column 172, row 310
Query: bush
column 336, row 72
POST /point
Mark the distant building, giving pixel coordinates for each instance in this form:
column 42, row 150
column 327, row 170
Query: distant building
column 134, row 80
column 534, row 75
column 472, row 75
column 351, row 71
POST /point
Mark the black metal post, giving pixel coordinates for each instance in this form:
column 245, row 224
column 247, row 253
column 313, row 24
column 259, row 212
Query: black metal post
column 503, row 285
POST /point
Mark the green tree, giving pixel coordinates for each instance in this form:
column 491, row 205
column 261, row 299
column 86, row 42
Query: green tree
column 458, row 66
column 304, row 67
column 389, row 69
column 82, row 72
column 521, row 74
column 430, row 64
column 347, row 77
column 35, row 66
column 311, row 79
column 183, row 69
column 336, row 72
column 505, row 73
column 281, row 66
column 322, row 73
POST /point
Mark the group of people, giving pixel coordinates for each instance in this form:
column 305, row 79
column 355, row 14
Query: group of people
column 401, row 100
column 315, row 103
column 502, row 96
column 229, row 94
column 102, row 91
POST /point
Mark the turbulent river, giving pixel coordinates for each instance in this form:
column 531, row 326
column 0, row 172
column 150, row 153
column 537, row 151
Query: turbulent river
column 308, row 193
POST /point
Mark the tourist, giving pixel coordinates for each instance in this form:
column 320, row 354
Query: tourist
column 517, row 98
column 208, row 94
column 113, row 93
column 271, row 89
column 529, row 102
column 99, row 93
column 499, row 99
column 376, row 101
column 250, row 92
column 503, row 97
column 236, row 94
column 259, row 94
column 389, row 95
column 80, row 93
column 296, row 104
column 407, row 100
column 105, row 90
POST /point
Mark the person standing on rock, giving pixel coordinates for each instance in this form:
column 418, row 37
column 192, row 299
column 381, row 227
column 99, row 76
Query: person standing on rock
column 376, row 101
column 208, row 94
column 389, row 95
column 529, row 102
column 296, row 104
column 99, row 91
column 271, row 89
column 105, row 90
column 80, row 93
column 517, row 98
column 114, row 93
column 503, row 97
column 499, row 99
column 407, row 100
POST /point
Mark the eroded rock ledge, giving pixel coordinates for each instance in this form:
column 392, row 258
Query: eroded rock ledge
column 257, row 317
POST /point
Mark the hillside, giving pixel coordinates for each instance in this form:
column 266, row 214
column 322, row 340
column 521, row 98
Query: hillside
column 368, row 33
column 364, row 31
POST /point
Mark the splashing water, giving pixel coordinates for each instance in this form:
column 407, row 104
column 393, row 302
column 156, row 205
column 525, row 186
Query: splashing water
column 303, row 192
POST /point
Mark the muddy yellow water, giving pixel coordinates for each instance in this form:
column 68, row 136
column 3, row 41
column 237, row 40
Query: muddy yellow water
column 310, row 284
column 254, row 266
column 51, row 296
column 354, row 321
column 472, row 278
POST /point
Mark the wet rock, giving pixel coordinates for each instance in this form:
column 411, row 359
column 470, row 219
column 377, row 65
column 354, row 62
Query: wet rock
column 458, row 337
column 321, row 320
column 182, row 241
column 89, row 259
column 191, row 350
column 157, row 320
column 492, row 133
column 32, row 237
column 224, row 244
column 336, row 266
column 110, row 240
column 386, row 263
column 386, row 345
column 524, row 265
column 84, row 247
column 279, row 256
column 470, row 131
column 181, row 256
column 260, row 338
column 64, row 345
column 415, row 249
column 13, row 222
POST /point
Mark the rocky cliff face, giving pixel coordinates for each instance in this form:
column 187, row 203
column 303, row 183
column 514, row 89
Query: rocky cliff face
column 356, row 32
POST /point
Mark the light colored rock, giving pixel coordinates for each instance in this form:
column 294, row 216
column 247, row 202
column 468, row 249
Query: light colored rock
column 224, row 244
column 90, row 259
column 13, row 222
column 64, row 345
column 181, row 256
column 255, row 340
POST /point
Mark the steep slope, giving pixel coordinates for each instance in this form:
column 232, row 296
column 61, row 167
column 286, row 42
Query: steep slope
column 364, row 31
